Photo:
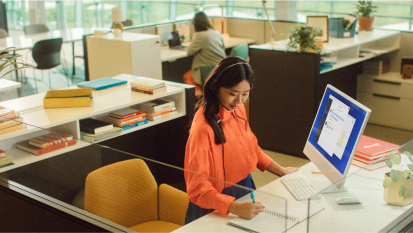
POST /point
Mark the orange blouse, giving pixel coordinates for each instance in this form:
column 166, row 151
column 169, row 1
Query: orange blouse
column 203, row 156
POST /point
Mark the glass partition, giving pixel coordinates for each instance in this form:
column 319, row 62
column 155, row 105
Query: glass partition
column 119, row 190
column 370, row 202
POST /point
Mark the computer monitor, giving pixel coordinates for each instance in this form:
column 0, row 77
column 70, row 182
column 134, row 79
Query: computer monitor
column 338, row 126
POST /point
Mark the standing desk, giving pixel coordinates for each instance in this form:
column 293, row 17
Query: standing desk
column 373, row 215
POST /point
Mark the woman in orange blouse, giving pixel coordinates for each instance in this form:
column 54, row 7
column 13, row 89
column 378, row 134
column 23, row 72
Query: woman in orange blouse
column 221, row 145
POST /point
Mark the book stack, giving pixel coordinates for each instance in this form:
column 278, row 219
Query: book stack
column 372, row 150
column 93, row 130
column 148, row 86
column 127, row 118
column 10, row 120
column 158, row 109
column 5, row 160
column 46, row 143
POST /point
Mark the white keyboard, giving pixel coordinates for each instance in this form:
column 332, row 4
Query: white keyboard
column 299, row 187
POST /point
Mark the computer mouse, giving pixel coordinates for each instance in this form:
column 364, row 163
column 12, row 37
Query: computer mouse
column 348, row 201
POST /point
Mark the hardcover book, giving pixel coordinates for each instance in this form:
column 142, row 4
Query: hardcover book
column 371, row 167
column 371, row 146
column 121, row 124
column 100, row 136
column 125, row 113
column 153, row 114
column 102, row 83
column 11, row 122
column 2, row 153
column 150, row 91
column 9, row 116
column 117, row 120
column 134, row 125
column 81, row 97
column 50, row 140
column 6, row 111
column 94, row 126
column 162, row 116
column 6, row 160
column 147, row 83
column 156, row 105
column 12, row 128
column 38, row 151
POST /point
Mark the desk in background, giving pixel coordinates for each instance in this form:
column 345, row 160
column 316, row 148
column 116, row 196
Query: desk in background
column 27, row 41
column 373, row 215
column 290, row 85
column 176, row 62
column 9, row 85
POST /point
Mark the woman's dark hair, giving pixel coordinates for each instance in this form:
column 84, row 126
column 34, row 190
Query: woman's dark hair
column 201, row 22
column 228, row 73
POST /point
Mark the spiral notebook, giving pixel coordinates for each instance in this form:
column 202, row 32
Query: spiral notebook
column 276, row 217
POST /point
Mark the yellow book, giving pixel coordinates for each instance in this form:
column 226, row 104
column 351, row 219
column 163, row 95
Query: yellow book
column 81, row 97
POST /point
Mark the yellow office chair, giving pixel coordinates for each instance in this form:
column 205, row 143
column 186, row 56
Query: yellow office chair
column 126, row 193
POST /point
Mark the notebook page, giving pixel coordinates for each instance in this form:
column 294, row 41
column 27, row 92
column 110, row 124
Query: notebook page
column 274, row 219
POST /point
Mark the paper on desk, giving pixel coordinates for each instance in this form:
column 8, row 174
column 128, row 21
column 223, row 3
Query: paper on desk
column 283, row 216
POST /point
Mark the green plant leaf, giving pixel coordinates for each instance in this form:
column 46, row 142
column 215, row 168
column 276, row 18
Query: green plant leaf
column 406, row 173
column 411, row 176
column 408, row 155
column 395, row 158
column 402, row 191
column 400, row 176
column 389, row 163
column 386, row 182
column 410, row 166
column 393, row 176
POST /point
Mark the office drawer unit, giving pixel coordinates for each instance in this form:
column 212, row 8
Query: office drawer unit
column 389, row 97
column 133, row 53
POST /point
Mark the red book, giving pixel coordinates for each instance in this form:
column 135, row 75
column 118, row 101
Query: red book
column 2, row 153
column 50, row 139
column 37, row 151
column 9, row 116
column 372, row 147
column 123, row 123
column 370, row 167
column 117, row 120
column 125, row 113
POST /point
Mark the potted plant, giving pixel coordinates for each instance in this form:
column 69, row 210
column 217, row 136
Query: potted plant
column 302, row 38
column 8, row 59
column 398, row 183
column 365, row 16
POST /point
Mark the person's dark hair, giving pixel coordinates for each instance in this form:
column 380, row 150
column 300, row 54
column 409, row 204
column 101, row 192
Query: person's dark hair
column 201, row 22
column 228, row 73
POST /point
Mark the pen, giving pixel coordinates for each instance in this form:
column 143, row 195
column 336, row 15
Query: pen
column 252, row 197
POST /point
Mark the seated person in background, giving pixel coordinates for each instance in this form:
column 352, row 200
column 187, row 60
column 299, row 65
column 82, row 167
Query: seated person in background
column 221, row 145
column 207, row 48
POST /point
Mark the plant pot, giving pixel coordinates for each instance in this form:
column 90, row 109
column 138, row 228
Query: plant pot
column 391, row 193
column 365, row 23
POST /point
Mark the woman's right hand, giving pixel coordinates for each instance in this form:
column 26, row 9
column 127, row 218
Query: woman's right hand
column 247, row 210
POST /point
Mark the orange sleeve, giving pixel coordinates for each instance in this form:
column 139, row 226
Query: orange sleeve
column 203, row 190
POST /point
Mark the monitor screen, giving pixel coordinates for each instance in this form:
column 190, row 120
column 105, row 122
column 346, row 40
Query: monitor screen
column 336, row 132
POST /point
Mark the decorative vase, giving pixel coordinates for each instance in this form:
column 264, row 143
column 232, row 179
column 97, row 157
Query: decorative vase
column 391, row 193
column 365, row 23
